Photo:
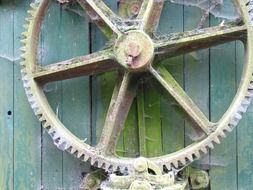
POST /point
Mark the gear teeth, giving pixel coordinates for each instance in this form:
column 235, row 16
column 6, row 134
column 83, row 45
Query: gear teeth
column 28, row 20
column 23, row 71
column 190, row 157
column 103, row 166
column 34, row 6
column 50, row 130
column 86, row 158
column 246, row 102
column 62, row 145
column 27, row 85
column 38, row 111
column 109, row 167
column 22, row 63
column 26, row 26
column 42, row 118
column 92, row 161
column 168, row 166
column 31, row 12
column 229, row 128
column 24, row 34
column 233, row 123
column 183, row 161
column 24, row 55
column 73, row 150
column 46, row 124
column 238, row 116
column 24, row 41
column 243, row 109
column 197, row 154
column 80, row 154
column 204, row 150
column 69, row 149
column 249, row 94
column 122, row 169
column 216, row 140
column 34, row 105
column 250, row 87
column 56, row 137
column 175, row 164
column 23, row 49
column 100, row 165
column 210, row 145
column 223, row 135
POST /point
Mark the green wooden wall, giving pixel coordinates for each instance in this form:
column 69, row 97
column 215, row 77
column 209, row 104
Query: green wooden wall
column 28, row 157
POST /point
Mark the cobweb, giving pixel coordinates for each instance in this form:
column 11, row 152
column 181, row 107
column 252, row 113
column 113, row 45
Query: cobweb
column 225, row 9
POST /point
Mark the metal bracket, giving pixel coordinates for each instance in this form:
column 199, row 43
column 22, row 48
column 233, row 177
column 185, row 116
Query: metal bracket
column 147, row 176
column 199, row 179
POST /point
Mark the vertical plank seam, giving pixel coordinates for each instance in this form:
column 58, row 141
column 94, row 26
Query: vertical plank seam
column 184, row 73
column 13, row 94
column 236, row 129
column 209, row 99
column 61, row 98
column 41, row 127
column 209, row 106
column 92, row 140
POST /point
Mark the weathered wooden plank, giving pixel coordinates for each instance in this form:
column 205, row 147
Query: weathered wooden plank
column 222, row 91
column 27, row 131
column 130, row 134
column 152, row 114
column 244, row 133
column 50, row 48
column 75, row 94
column 141, row 121
column 101, row 85
column 6, row 99
column 196, row 76
column 171, row 119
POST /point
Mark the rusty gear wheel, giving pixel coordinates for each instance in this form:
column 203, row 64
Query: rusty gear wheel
column 132, row 57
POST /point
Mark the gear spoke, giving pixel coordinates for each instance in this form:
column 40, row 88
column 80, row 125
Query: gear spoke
column 190, row 41
column 171, row 85
column 121, row 101
column 100, row 9
column 85, row 65
column 150, row 14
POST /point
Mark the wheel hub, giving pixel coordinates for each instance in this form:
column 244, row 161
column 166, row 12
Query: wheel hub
column 134, row 50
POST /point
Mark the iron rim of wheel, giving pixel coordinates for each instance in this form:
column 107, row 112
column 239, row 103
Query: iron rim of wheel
column 103, row 156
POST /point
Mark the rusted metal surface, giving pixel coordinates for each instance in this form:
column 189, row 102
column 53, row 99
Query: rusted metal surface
column 89, row 65
column 142, row 179
column 132, row 59
column 182, row 43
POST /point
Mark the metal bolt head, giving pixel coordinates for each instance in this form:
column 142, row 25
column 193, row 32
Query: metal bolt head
column 135, row 8
column 141, row 165
column 133, row 49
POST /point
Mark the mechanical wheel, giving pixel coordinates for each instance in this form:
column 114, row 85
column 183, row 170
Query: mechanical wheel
column 132, row 55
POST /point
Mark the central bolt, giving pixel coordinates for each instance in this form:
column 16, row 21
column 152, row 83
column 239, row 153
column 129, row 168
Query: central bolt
column 132, row 51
